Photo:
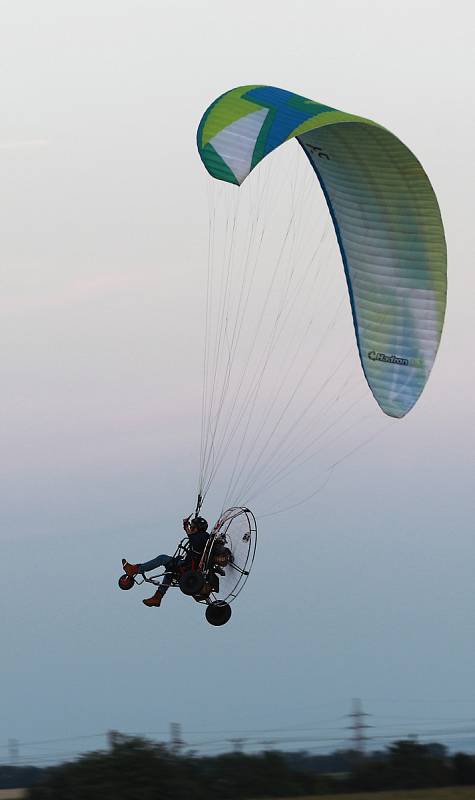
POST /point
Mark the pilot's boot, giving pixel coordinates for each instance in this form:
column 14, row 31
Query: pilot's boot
column 154, row 601
column 130, row 569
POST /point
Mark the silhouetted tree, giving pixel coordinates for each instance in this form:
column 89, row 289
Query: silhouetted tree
column 463, row 769
column 137, row 769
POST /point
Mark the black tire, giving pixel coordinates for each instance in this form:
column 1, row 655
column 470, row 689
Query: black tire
column 191, row 582
column 218, row 613
column 126, row 582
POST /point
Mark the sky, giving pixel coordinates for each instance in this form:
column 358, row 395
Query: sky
column 364, row 592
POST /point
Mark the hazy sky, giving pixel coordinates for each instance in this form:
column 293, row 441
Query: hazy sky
column 367, row 591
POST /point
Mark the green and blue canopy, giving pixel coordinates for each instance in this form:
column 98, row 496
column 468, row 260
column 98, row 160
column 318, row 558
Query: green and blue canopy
column 385, row 214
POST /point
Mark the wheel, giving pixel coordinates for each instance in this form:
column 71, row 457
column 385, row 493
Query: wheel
column 218, row 613
column 191, row 582
column 126, row 582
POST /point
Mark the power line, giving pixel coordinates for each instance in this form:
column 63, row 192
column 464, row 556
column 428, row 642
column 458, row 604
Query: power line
column 358, row 726
column 323, row 736
column 13, row 751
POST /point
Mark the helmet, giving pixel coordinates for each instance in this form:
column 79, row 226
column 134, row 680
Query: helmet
column 199, row 523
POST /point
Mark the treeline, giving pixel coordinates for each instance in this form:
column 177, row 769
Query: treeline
column 410, row 765
column 15, row 777
column 137, row 769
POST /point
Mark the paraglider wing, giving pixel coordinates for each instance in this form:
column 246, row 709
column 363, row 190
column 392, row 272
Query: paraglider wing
column 385, row 215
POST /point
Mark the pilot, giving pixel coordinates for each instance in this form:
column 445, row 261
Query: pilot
column 197, row 531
